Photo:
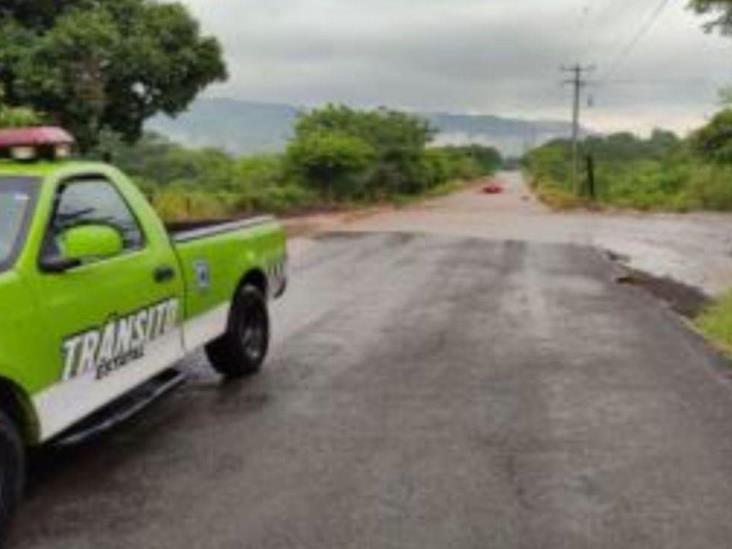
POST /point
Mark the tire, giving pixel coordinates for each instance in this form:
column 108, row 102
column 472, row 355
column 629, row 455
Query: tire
column 12, row 472
column 241, row 351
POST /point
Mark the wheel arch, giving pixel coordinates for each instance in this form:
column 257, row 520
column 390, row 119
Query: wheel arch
column 255, row 277
column 15, row 402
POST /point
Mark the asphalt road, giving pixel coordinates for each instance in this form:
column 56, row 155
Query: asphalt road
column 424, row 392
column 693, row 248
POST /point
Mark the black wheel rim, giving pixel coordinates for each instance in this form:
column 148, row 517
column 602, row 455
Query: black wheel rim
column 253, row 332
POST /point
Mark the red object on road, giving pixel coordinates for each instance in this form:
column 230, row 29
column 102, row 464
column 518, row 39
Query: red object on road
column 493, row 188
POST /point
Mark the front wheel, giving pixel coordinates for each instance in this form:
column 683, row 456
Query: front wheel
column 243, row 348
column 12, row 472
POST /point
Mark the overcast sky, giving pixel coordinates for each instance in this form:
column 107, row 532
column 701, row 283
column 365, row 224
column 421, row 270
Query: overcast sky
column 477, row 56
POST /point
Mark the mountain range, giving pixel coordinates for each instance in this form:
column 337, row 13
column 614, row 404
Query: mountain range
column 244, row 127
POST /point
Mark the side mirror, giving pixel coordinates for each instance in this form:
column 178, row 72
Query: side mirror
column 85, row 243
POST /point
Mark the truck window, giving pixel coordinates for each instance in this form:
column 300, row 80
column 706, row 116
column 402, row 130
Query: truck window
column 16, row 199
column 92, row 201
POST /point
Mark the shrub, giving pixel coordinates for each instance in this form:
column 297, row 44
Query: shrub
column 332, row 162
column 558, row 198
column 377, row 154
column 284, row 198
column 716, row 322
column 710, row 188
column 337, row 154
column 713, row 142
column 179, row 204
column 657, row 173
column 15, row 117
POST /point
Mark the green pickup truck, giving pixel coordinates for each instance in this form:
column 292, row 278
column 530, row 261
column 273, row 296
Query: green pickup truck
column 98, row 297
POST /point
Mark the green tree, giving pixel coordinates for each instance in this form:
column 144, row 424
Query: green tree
column 663, row 139
column 551, row 163
column 332, row 161
column 262, row 171
column 156, row 157
column 721, row 10
column 713, row 142
column 96, row 65
column 14, row 117
column 37, row 14
column 486, row 160
column 398, row 141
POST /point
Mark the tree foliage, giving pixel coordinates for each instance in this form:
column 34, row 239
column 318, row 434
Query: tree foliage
column 714, row 141
column 334, row 162
column 323, row 165
column 95, row 65
column 356, row 154
column 721, row 11
column 398, row 141
column 661, row 172
column 14, row 117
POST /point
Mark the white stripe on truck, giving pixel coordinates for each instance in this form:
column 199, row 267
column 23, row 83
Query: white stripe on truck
column 68, row 402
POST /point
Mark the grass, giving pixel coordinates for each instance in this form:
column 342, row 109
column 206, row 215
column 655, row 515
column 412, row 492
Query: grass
column 559, row 199
column 182, row 204
column 647, row 186
column 716, row 323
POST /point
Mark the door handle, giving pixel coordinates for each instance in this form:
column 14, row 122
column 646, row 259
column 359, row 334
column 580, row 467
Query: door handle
column 163, row 273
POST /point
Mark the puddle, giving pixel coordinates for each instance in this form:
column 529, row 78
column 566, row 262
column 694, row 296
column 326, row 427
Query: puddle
column 685, row 300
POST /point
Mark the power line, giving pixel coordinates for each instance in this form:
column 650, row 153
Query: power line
column 597, row 15
column 612, row 5
column 613, row 10
column 583, row 25
column 636, row 38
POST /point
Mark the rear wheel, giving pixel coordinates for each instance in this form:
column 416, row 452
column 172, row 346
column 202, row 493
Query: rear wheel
column 12, row 471
column 242, row 349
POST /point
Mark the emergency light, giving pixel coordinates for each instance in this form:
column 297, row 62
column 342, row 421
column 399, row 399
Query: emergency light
column 26, row 144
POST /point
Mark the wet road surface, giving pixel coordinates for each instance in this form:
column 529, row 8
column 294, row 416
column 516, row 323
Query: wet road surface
column 695, row 248
column 424, row 392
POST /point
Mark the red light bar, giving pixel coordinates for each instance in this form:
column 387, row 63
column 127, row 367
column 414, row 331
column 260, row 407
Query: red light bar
column 34, row 137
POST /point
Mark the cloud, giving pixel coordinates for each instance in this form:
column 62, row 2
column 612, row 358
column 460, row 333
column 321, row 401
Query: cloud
column 488, row 56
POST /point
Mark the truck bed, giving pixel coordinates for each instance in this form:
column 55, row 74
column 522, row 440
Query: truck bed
column 185, row 231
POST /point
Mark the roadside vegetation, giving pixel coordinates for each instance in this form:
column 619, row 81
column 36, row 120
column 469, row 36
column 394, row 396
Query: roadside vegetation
column 716, row 323
column 661, row 172
column 338, row 157
column 17, row 117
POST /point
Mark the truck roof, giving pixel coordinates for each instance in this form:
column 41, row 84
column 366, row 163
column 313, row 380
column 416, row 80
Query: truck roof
column 43, row 169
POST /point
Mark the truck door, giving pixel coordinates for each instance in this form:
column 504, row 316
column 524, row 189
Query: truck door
column 115, row 321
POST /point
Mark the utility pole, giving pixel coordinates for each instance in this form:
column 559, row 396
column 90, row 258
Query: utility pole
column 578, row 83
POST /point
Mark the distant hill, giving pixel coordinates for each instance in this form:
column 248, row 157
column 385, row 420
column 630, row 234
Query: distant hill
column 237, row 126
column 249, row 127
column 510, row 135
